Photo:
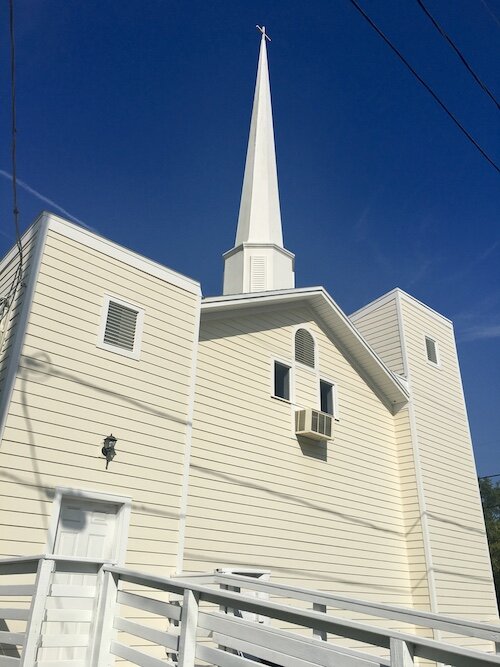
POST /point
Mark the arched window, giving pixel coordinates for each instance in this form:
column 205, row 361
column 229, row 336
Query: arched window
column 304, row 348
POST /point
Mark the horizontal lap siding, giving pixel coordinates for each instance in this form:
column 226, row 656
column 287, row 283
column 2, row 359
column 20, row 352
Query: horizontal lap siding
column 69, row 394
column 456, row 528
column 320, row 516
column 379, row 326
column 8, row 270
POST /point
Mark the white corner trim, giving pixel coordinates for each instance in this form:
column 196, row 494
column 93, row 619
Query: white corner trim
column 20, row 333
column 111, row 249
column 123, row 516
column 183, row 506
column 139, row 326
column 431, row 580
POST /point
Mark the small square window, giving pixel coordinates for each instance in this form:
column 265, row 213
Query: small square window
column 431, row 349
column 281, row 380
column 326, row 397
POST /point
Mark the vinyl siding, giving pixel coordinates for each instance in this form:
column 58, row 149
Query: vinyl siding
column 458, row 546
column 69, row 394
column 325, row 516
column 378, row 324
column 8, row 268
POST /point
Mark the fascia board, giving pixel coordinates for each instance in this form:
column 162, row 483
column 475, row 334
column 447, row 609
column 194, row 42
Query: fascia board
column 111, row 249
column 385, row 383
column 381, row 300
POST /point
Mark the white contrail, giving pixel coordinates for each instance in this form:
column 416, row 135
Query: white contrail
column 38, row 195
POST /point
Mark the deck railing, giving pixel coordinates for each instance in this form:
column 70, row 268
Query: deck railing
column 151, row 621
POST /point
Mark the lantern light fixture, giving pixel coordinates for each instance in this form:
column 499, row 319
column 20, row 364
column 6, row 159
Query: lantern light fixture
column 108, row 449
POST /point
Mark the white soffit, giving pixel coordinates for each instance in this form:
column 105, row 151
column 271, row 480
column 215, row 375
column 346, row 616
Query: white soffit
column 346, row 336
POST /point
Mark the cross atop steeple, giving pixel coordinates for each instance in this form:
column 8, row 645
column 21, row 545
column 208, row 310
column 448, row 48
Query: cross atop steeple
column 258, row 260
column 263, row 31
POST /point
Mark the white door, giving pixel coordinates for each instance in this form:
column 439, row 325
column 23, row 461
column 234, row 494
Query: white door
column 88, row 529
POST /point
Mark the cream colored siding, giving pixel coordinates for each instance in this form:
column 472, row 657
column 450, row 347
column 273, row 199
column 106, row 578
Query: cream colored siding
column 319, row 515
column 458, row 546
column 9, row 323
column 69, row 394
column 411, row 511
column 378, row 324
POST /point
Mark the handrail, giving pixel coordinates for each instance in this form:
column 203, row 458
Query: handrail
column 195, row 590
column 424, row 648
column 486, row 631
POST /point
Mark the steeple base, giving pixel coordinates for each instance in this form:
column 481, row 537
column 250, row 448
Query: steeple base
column 258, row 267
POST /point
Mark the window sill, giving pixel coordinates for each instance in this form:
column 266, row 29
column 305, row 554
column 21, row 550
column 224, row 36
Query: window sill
column 281, row 400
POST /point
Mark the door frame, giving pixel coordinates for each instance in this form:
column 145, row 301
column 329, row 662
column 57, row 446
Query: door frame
column 122, row 517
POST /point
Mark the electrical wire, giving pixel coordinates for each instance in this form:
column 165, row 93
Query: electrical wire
column 424, row 84
column 442, row 32
column 8, row 300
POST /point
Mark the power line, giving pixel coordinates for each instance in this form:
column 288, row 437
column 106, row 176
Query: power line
column 7, row 302
column 490, row 476
column 14, row 126
column 443, row 33
column 424, row 84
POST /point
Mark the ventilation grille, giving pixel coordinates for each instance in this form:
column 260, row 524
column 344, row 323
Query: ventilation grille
column 121, row 324
column 313, row 424
column 257, row 274
column 304, row 348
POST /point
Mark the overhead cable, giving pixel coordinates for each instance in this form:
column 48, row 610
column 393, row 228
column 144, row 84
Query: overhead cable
column 7, row 302
column 443, row 33
column 424, row 84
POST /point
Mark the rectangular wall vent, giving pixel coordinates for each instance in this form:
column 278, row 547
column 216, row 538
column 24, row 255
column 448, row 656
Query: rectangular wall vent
column 314, row 424
column 120, row 329
column 121, row 325
column 257, row 274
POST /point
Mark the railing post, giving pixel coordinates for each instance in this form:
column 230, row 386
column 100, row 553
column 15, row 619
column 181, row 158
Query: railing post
column 104, row 615
column 189, row 623
column 37, row 612
column 319, row 634
column 401, row 653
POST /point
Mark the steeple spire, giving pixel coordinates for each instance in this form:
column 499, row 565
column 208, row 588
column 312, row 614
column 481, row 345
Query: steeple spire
column 258, row 260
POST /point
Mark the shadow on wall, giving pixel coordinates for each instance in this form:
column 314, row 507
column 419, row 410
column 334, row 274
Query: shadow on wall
column 39, row 369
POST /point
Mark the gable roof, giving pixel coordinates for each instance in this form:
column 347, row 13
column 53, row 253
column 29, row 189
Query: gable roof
column 370, row 366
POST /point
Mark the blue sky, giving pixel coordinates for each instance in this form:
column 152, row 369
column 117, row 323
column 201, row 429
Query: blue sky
column 133, row 117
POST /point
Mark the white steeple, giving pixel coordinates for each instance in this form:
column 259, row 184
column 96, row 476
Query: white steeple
column 258, row 261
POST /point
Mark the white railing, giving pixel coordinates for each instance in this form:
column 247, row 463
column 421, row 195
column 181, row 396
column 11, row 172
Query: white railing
column 150, row 621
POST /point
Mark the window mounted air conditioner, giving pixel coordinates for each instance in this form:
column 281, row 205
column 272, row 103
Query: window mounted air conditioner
column 313, row 424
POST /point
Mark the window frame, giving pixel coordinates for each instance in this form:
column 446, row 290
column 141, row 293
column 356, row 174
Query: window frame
column 139, row 326
column 335, row 402
column 437, row 363
column 291, row 384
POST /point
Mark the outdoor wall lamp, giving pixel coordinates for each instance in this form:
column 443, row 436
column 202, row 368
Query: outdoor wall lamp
column 108, row 449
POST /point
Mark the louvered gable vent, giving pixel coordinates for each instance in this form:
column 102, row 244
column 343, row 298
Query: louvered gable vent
column 304, row 348
column 121, row 323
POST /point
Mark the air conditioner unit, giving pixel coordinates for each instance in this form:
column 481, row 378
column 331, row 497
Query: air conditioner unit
column 314, row 424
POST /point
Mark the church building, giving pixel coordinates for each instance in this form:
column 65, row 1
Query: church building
column 263, row 431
